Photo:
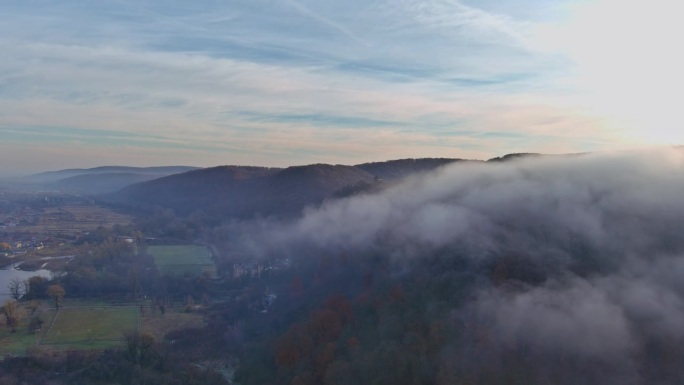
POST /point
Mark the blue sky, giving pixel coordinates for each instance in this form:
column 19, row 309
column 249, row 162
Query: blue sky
column 283, row 82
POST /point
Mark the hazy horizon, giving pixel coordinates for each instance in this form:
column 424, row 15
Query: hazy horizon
column 8, row 174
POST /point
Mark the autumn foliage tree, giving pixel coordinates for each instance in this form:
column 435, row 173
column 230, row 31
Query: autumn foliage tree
column 12, row 313
column 314, row 343
column 56, row 292
column 138, row 346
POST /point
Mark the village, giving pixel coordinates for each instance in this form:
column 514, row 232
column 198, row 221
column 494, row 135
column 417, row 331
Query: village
column 44, row 221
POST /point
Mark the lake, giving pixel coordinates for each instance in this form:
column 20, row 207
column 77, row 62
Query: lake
column 8, row 273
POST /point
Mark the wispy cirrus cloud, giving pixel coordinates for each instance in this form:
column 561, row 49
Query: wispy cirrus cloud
column 294, row 81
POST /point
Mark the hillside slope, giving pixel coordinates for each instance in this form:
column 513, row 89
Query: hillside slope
column 243, row 192
column 246, row 192
column 401, row 168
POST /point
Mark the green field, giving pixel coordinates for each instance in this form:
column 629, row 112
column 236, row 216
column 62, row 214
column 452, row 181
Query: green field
column 17, row 343
column 178, row 260
column 91, row 327
column 86, row 325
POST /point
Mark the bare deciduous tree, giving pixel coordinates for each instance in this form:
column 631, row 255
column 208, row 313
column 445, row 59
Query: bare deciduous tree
column 35, row 324
column 15, row 288
column 33, row 305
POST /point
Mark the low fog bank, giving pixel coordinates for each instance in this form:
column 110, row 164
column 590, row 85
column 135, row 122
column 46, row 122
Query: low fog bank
column 609, row 206
column 581, row 259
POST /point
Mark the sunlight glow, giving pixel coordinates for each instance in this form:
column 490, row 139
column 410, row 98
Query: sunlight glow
column 628, row 64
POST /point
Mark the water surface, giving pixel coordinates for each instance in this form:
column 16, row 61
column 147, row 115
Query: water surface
column 10, row 272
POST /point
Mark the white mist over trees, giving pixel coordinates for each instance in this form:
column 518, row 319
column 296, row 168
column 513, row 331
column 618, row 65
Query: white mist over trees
column 579, row 259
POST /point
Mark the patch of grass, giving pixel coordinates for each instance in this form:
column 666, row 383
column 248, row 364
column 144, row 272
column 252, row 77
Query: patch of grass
column 190, row 269
column 86, row 345
column 17, row 343
column 90, row 303
column 158, row 325
column 180, row 255
column 77, row 302
column 92, row 327
column 178, row 260
column 88, row 325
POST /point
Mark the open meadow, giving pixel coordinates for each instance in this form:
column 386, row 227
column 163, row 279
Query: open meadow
column 16, row 343
column 87, row 325
column 91, row 327
column 178, row 260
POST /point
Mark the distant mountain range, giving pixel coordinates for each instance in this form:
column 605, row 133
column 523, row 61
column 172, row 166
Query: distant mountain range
column 100, row 180
column 53, row 176
column 238, row 191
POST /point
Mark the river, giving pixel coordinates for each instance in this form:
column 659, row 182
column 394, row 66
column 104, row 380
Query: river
column 8, row 273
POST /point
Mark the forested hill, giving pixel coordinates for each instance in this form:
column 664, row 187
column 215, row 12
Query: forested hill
column 224, row 189
column 243, row 192
column 247, row 192
column 401, row 168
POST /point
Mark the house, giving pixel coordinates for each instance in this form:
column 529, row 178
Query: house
column 253, row 270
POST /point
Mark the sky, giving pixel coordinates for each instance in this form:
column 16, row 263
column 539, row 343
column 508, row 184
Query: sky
column 286, row 82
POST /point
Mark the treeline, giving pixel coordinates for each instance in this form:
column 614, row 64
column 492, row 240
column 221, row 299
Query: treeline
column 418, row 322
column 165, row 225
column 108, row 265
column 376, row 328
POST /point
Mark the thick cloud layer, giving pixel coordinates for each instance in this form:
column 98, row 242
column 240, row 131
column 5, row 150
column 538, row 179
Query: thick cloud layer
column 622, row 204
column 601, row 235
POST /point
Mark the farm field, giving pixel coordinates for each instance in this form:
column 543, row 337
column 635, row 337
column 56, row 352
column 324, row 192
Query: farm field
column 66, row 220
column 158, row 325
column 178, row 260
column 17, row 343
column 96, row 327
